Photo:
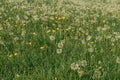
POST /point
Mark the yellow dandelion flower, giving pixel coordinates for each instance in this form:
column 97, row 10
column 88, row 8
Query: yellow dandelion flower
column 53, row 24
column 52, row 19
column 15, row 54
column 63, row 17
column 58, row 29
column 56, row 17
column 91, row 42
column 42, row 47
column 59, row 18
column 67, row 29
column 29, row 43
column 53, row 31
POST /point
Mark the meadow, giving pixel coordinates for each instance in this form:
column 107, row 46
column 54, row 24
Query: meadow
column 59, row 40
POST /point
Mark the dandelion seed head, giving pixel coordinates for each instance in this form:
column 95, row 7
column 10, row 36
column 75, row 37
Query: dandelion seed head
column 59, row 51
column 52, row 38
column 118, row 60
column 74, row 66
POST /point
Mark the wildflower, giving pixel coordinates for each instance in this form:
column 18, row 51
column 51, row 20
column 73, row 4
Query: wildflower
column 74, row 66
column 99, row 62
column 53, row 24
column 53, row 31
column 35, row 17
column 10, row 55
column 118, row 60
column 90, row 49
column 15, row 54
column 30, row 43
column 84, row 63
column 99, row 28
column 17, row 75
column 48, row 31
column 42, row 47
column 76, row 37
column 52, row 38
column 60, row 45
column 99, row 38
column 80, row 72
column 59, row 51
column 34, row 33
column 59, row 18
column 23, row 33
column 63, row 41
column 88, row 38
column 58, row 29
column 83, row 41
column 97, row 74
column 104, row 21
column 1, row 28
column 63, row 17
column 52, row 19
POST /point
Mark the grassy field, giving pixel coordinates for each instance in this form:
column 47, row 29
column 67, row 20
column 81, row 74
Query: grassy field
column 59, row 40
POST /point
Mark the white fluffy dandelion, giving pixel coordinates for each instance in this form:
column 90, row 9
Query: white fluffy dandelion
column 74, row 66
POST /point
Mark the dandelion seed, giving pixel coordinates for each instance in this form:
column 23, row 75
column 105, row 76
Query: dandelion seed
column 59, row 51
column 88, row 38
column 74, row 66
column 35, row 17
column 34, row 33
column 84, row 63
column 62, row 41
column 83, row 41
column 90, row 49
column 99, row 28
column 104, row 21
column 80, row 72
column 97, row 74
column 76, row 37
column 52, row 38
column 23, row 33
column 118, row 60
column 17, row 75
column 1, row 28
column 60, row 45
column 99, row 62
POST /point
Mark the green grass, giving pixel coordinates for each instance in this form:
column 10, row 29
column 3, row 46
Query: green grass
column 59, row 40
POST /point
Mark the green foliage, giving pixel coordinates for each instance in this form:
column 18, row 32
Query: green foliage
column 59, row 40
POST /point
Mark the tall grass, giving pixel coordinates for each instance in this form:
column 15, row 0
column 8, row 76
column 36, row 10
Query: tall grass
column 59, row 40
